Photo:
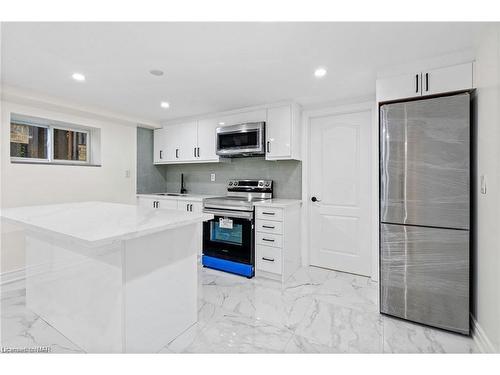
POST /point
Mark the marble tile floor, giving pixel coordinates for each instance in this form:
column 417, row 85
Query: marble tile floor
column 316, row 311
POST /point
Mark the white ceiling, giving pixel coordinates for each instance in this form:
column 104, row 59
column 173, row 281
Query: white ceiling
column 212, row 67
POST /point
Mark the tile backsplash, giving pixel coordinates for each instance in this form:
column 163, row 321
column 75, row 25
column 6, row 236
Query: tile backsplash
column 286, row 174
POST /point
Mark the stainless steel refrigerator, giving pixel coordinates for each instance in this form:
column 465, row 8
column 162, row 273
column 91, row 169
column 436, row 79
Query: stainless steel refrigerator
column 425, row 211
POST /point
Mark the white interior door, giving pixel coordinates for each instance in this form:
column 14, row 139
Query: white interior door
column 340, row 179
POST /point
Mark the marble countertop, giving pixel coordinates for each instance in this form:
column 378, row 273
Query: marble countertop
column 99, row 223
column 185, row 197
column 278, row 202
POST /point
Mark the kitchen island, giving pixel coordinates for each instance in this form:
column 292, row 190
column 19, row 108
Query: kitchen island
column 111, row 277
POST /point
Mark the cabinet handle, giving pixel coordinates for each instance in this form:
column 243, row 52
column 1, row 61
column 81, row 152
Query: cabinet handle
column 177, row 153
column 416, row 83
column 268, row 227
column 161, row 154
column 267, row 213
column 268, row 259
column 426, row 81
column 198, row 152
column 268, row 144
column 191, row 208
column 187, row 207
column 267, row 239
column 194, row 150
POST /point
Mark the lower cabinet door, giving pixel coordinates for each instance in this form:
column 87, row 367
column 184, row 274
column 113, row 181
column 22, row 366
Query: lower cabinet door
column 424, row 275
column 268, row 259
column 167, row 204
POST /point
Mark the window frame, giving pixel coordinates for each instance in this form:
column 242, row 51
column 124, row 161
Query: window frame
column 48, row 145
column 73, row 129
column 50, row 142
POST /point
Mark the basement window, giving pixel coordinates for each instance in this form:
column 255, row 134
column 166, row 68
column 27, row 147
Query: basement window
column 37, row 140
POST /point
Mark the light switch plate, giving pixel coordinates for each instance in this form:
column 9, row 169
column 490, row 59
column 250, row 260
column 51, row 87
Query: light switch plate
column 127, row 173
column 483, row 184
column 212, row 177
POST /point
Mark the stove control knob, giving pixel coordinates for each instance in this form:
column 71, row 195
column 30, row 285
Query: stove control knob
column 235, row 183
column 268, row 183
column 261, row 183
column 230, row 183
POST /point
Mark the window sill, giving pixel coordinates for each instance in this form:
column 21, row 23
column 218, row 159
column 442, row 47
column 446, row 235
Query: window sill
column 56, row 163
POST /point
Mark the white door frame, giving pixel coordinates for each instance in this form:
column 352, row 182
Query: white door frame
column 309, row 115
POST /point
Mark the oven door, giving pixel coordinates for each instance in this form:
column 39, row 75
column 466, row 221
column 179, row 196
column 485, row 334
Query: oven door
column 240, row 139
column 229, row 235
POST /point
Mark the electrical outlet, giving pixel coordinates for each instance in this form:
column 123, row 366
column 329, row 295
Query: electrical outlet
column 127, row 173
column 212, row 177
column 483, row 184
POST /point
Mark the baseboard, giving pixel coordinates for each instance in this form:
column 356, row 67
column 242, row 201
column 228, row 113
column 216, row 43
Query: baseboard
column 480, row 338
column 12, row 276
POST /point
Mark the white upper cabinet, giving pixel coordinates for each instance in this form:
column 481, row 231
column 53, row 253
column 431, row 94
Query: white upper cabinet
column 449, row 79
column 206, row 150
column 158, row 146
column 283, row 133
column 195, row 142
column 399, row 87
column 187, row 141
column 258, row 115
column 427, row 82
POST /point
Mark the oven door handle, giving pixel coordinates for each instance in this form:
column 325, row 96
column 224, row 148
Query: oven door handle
column 238, row 214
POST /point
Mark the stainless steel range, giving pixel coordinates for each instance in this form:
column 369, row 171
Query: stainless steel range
column 228, row 239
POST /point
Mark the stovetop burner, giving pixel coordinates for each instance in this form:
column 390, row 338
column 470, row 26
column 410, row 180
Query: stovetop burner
column 241, row 195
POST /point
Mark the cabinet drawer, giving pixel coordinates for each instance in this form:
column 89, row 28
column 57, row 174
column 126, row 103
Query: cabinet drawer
column 268, row 259
column 267, row 239
column 269, row 213
column 266, row 226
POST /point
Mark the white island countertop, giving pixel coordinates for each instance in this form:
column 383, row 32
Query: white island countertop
column 99, row 223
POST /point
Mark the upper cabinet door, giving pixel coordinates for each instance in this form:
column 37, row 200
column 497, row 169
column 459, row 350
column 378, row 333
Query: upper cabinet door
column 399, row 87
column 187, row 141
column 279, row 132
column 448, row 79
column 207, row 140
column 159, row 155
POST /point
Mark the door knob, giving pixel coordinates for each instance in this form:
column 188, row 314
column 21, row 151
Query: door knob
column 314, row 199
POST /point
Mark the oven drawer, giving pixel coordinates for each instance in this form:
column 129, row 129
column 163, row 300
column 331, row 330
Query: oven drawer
column 267, row 239
column 268, row 213
column 266, row 226
column 268, row 259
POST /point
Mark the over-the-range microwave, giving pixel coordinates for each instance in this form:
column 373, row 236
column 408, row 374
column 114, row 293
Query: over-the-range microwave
column 241, row 140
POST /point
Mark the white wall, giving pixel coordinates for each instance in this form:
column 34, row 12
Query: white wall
column 486, row 260
column 30, row 184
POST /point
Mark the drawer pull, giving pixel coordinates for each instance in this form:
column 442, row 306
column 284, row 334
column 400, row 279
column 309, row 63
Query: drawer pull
column 268, row 259
column 267, row 239
column 268, row 227
column 267, row 213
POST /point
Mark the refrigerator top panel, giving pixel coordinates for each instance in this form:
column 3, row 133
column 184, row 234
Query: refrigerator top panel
column 424, row 162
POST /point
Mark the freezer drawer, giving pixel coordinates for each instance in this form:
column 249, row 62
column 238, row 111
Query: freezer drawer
column 424, row 275
column 424, row 162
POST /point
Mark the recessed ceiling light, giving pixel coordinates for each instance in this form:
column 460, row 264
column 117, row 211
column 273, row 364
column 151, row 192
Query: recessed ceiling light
column 222, row 123
column 156, row 72
column 78, row 77
column 320, row 72
column 165, row 104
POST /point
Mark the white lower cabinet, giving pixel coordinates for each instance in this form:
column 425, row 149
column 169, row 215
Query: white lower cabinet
column 171, row 203
column 277, row 239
